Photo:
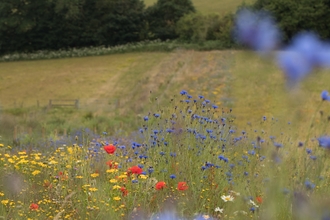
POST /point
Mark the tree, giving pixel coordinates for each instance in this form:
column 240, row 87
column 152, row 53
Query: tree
column 164, row 14
column 294, row 16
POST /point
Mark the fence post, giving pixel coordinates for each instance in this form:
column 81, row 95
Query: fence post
column 77, row 103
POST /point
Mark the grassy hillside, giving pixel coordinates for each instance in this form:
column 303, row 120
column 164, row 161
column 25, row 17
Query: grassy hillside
column 212, row 6
column 116, row 91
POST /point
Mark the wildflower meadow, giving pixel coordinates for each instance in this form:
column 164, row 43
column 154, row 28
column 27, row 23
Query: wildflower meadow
column 189, row 159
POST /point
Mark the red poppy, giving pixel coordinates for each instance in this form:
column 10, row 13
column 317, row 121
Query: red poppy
column 259, row 199
column 124, row 191
column 182, row 186
column 62, row 176
column 110, row 149
column 135, row 170
column 160, row 185
column 34, row 206
column 112, row 164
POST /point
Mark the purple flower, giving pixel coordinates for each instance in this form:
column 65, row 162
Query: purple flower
column 324, row 142
column 256, row 30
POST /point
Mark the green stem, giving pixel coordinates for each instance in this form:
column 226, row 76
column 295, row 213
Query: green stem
column 312, row 121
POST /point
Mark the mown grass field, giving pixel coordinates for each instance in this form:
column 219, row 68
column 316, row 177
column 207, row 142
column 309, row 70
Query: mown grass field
column 118, row 87
column 213, row 6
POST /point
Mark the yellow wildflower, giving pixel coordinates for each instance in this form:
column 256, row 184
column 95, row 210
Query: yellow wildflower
column 143, row 176
column 95, row 175
column 21, row 152
column 1, row 145
column 113, row 181
column 4, row 202
column 112, row 171
column 79, row 177
column 117, row 198
column 92, row 189
column 116, row 187
column 36, row 172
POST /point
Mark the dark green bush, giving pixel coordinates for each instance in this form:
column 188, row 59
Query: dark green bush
column 294, row 16
column 197, row 28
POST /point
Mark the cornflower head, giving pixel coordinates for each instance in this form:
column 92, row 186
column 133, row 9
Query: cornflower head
column 324, row 142
column 306, row 52
column 325, row 96
column 256, row 30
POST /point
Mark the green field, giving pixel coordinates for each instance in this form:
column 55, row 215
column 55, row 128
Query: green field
column 213, row 6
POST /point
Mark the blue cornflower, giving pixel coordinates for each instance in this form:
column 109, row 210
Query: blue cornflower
column 294, row 66
column 306, row 52
column 324, row 142
column 135, row 181
column 325, row 96
column 278, row 145
column 252, row 152
column 150, row 170
column 256, row 30
column 308, row 151
column 169, row 130
column 189, row 96
column 221, row 157
column 313, row 157
column 214, row 106
column 183, row 92
column 156, row 115
column 300, row 144
column 246, row 173
column 172, row 176
column 146, row 118
column 200, row 96
column 309, row 185
column 162, row 153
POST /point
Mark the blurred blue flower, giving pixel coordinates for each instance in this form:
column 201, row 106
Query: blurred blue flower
column 324, row 142
column 309, row 185
column 294, row 65
column 256, row 30
column 167, row 215
column 313, row 157
column 325, row 96
column 306, row 52
column 172, row 176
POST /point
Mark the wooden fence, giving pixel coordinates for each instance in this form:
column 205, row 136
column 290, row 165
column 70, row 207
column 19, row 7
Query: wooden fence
column 63, row 103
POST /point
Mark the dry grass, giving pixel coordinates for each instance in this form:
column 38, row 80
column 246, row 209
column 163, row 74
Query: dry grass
column 120, row 85
column 212, row 6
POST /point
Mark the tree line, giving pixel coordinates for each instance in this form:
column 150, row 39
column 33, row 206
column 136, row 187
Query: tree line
column 30, row 25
